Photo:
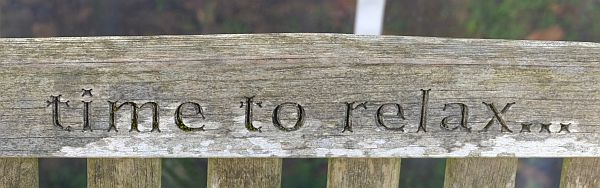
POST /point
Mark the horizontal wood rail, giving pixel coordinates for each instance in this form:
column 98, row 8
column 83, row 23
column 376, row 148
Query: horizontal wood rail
column 246, row 101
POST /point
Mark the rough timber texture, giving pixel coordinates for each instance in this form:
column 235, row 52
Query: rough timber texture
column 356, row 172
column 580, row 173
column 244, row 172
column 549, row 82
column 123, row 172
column 19, row 172
column 480, row 172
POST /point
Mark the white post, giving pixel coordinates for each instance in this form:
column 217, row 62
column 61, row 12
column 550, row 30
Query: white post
column 369, row 17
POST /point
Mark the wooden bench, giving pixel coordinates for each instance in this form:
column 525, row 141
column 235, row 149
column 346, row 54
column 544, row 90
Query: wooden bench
column 247, row 101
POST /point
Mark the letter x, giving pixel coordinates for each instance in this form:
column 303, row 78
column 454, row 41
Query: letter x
column 498, row 115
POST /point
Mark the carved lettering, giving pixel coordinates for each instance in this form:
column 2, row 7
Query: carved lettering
column 55, row 102
column 399, row 113
column 525, row 127
column 299, row 121
column 498, row 116
column 248, row 122
column 349, row 108
column 424, row 108
column 179, row 118
column 87, row 93
column 464, row 117
column 564, row 127
column 450, row 122
column 86, row 116
column 134, row 115
column 545, row 127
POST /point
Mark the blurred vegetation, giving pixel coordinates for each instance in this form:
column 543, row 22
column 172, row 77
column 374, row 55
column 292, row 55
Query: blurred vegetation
column 184, row 172
column 40, row 18
column 506, row 19
column 301, row 173
column 539, row 173
column 59, row 173
column 574, row 20
column 535, row 19
column 422, row 173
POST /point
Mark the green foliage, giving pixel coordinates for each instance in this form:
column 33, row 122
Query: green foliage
column 507, row 19
column 183, row 172
column 535, row 19
column 62, row 173
column 422, row 173
column 300, row 173
column 233, row 26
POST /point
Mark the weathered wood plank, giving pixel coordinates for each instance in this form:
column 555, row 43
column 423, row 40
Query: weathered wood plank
column 525, row 85
column 580, row 172
column 123, row 172
column 357, row 172
column 244, row 172
column 19, row 172
column 480, row 172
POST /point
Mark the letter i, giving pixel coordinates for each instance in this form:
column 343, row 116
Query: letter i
column 87, row 95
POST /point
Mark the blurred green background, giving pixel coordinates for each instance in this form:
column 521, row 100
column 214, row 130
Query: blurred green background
column 575, row 20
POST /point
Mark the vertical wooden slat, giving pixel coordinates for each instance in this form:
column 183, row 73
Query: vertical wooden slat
column 580, row 172
column 480, row 172
column 19, row 172
column 129, row 172
column 363, row 172
column 244, row 172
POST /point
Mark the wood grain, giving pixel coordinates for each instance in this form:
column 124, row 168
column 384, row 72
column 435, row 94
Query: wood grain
column 19, row 172
column 548, row 82
column 357, row 172
column 244, row 172
column 480, row 172
column 123, row 172
column 580, row 173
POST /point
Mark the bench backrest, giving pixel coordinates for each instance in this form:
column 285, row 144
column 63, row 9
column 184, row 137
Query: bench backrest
column 237, row 98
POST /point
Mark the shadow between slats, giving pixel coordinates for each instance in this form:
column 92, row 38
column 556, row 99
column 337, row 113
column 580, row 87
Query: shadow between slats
column 62, row 172
column 422, row 172
column 184, row 172
column 538, row 172
column 304, row 172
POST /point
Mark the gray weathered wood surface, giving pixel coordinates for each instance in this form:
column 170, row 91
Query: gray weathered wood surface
column 549, row 82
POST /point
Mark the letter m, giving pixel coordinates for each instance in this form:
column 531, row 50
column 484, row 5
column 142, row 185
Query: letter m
column 134, row 115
